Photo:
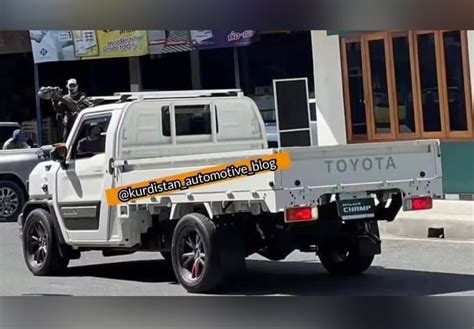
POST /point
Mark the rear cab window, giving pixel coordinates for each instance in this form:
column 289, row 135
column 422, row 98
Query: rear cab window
column 193, row 119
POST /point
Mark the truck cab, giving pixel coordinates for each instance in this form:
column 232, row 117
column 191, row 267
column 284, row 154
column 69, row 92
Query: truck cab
column 159, row 125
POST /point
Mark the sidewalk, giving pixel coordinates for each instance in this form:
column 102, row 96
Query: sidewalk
column 456, row 218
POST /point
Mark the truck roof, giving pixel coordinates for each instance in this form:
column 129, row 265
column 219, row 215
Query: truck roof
column 122, row 99
column 106, row 107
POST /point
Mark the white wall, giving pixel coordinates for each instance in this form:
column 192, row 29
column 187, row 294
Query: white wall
column 470, row 44
column 328, row 89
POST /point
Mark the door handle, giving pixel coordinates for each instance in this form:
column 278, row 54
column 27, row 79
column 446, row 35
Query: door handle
column 119, row 164
column 111, row 169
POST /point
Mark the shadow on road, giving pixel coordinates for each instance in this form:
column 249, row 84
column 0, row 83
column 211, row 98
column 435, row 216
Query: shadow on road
column 7, row 221
column 296, row 278
column 141, row 271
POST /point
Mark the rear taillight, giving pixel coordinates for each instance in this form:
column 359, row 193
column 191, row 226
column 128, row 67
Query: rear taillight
column 301, row 214
column 421, row 203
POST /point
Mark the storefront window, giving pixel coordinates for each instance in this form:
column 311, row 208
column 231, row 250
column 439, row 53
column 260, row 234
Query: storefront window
column 379, row 86
column 455, row 81
column 356, row 88
column 416, row 83
column 429, row 82
column 403, row 84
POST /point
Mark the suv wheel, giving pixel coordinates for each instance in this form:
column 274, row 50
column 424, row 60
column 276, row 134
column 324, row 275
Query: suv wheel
column 12, row 200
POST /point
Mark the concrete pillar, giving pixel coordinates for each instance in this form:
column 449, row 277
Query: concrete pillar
column 236, row 67
column 39, row 117
column 195, row 70
column 244, row 74
column 135, row 74
column 328, row 89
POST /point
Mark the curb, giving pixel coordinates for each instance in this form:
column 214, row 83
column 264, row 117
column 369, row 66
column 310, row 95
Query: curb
column 448, row 219
column 465, row 197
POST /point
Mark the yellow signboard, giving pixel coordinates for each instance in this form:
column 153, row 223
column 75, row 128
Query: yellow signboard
column 119, row 43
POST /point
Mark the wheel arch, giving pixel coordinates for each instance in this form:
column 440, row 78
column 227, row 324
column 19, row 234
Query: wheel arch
column 180, row 209
column 45, row 205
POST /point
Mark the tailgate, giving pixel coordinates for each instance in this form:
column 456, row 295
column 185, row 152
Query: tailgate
column 357, row 165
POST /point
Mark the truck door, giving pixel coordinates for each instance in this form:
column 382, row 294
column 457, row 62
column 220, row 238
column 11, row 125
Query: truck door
column 80, row 184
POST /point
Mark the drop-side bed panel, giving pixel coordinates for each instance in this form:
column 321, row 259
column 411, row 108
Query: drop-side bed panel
column 413, row 167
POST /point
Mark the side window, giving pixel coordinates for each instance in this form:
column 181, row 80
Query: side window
column 189, row 120
column 91, row 138
column 165, row 121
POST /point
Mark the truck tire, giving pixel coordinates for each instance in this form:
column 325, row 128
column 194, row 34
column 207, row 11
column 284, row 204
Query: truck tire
column 344, row 261
column 40, row 248
column 12, row 199
column 195, row 255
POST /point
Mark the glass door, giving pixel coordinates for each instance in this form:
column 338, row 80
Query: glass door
column 403, row 78
column 354, row 90
column 380, row 96
column 431, row 100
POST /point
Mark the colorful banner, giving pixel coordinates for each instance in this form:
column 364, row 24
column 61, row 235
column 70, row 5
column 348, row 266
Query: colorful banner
column 69, row 45
column 207, row 39
column 52, row 45
column 121, row 43
column 156, row 41
column 201, row 38
column 169, row 41
column 86, row 43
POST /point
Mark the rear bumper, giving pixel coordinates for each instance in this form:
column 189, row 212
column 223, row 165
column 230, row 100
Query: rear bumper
column 360, row 232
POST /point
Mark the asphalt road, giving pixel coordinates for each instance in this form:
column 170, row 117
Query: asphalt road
column 407, row 267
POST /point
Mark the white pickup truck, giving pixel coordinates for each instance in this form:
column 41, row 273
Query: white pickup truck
column 329, row 202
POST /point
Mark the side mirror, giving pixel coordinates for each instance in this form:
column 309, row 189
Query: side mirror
column 59, row 153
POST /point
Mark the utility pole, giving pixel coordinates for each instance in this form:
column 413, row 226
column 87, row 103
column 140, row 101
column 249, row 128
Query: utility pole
column 39, row 119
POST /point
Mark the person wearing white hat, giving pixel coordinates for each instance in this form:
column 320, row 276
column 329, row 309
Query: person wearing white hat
column 69, row 106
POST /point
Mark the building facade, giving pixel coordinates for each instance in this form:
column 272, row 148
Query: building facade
column 399, row 85
column 251, row 67
column 369, row 86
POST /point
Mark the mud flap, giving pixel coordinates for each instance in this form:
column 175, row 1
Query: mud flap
column 231, row 253
column 370, row 243
column 369, row 246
